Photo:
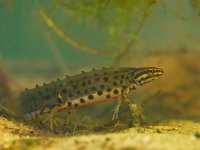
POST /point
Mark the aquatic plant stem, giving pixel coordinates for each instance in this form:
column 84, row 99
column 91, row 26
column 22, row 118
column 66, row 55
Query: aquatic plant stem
column 71, row 41
column 57, row 53
column 127, row 48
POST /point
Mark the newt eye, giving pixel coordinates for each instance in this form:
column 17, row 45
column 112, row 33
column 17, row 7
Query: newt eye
column 151, row 71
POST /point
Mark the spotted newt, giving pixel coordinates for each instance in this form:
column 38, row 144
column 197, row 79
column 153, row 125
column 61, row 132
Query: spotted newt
column 84, row 89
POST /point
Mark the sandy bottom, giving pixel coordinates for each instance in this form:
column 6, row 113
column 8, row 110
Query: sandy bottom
column 171, row 107
column 175, row 135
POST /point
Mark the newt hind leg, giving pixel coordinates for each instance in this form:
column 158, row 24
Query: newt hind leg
column 50, row 113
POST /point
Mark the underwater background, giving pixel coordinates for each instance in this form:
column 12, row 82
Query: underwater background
column 44, row 40
column 164, row 26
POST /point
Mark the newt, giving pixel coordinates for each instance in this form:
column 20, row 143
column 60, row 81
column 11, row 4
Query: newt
column 84, row 89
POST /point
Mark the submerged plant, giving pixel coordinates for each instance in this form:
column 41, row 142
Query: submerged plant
column 118, row 19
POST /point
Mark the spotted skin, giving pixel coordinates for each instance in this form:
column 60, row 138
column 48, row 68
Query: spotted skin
column 84, row 89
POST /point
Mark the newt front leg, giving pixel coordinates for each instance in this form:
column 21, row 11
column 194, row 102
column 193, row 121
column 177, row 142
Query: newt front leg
column 135, row 110
column 116, row 109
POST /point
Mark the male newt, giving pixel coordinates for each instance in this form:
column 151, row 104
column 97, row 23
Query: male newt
column 85, row 89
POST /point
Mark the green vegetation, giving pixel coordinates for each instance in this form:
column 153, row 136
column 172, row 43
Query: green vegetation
column 118, row 23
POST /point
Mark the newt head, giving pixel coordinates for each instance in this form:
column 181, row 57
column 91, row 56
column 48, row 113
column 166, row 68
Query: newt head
column 145, row 75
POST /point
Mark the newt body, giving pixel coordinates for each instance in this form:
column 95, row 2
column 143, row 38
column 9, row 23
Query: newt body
column 84, row 89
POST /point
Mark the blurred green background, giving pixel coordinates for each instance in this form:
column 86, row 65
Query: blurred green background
column 169, row 25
